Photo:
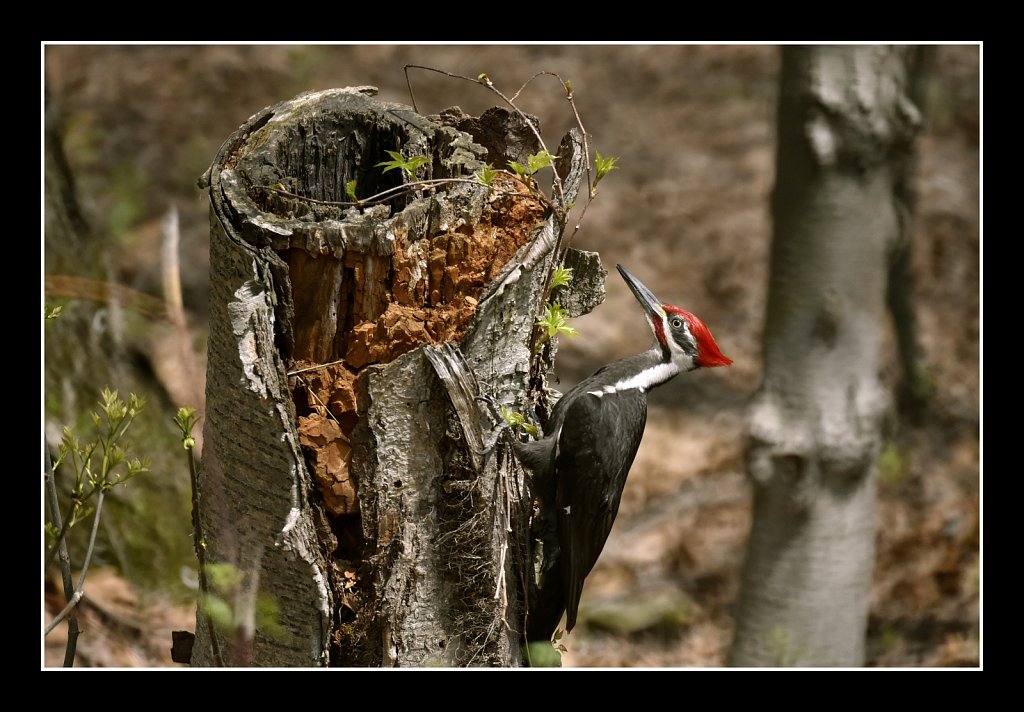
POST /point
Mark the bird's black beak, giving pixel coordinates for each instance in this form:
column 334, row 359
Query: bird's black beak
column 650, row 303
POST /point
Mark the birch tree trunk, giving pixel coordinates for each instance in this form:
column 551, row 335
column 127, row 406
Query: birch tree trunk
column 348, row 472
column 846, row 130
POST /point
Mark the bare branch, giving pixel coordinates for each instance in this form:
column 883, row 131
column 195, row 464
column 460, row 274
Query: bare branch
column 79, row 593
column 49, row 477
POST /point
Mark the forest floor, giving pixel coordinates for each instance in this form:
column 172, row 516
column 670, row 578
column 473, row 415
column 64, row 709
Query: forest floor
column 687, row 211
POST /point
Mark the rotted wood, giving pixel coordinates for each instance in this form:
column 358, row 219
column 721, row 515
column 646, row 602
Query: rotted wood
column 340, row 474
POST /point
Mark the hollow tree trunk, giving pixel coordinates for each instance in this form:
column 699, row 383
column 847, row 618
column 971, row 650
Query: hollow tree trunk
column 846, row 128
column 347, row 473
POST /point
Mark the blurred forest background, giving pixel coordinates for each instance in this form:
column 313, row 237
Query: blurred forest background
column 129, row 129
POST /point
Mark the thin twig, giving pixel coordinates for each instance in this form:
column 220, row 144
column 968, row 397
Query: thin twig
column 92, row 539
column 199, row 543
column 485, row 81
column 76, row 500
column 315, row 368
column 65, row 560
column 499, row 589
column 77, row 596
column 317, row 399
column 530, row 80
column 79, row 593
column 62, row 533
column 408, row 83
column 384, row 195
column 562, row 209
column 586, row 143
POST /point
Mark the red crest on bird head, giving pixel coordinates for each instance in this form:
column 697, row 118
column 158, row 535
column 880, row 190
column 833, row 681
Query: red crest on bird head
column 708, row 353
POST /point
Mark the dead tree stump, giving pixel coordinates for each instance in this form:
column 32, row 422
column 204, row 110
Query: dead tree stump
column 346, row 472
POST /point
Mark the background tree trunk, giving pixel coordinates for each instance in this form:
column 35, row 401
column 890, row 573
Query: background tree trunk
column 345, row 480
column 846, row 128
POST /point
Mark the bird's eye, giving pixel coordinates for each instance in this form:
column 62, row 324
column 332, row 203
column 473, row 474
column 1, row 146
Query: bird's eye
column 677, row 323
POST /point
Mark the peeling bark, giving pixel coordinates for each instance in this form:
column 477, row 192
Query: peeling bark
column 338, row 473
column 846, row 130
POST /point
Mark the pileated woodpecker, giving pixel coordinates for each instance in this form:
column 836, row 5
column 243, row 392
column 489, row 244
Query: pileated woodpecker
column 579, row 468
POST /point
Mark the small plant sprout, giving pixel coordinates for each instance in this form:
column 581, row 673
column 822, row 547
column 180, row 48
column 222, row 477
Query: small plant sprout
column 186, row 419
column 604, row 165
column 561, row 277
column 534, row 163
column 98, row 465
column 101, row 463
column 51, row 312
column 486, row 175
column 350, row 190
column 216, row 609
column 520, row 170
column 554, row 321
column 518, row 422
column 543, row 159
column 409, row 166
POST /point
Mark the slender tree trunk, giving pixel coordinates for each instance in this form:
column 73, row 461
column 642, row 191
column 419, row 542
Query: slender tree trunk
column 349, row 473
column 846, row 129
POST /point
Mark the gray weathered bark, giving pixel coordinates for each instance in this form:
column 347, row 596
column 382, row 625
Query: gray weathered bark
column 846, row 129
column 341, row 475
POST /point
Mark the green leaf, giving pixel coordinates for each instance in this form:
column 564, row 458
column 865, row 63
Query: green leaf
column 517, row 421
column 223, row 577
column 115, row 456
column 186, row 420
column 512, row 417
column 554, row 321
column 397, row 161
column 136, row 467
column 520, row 170
column 561, row 277
column 134, row 406
column 219, row 611
column 604, row 165
column 350, row 190
column 539, row 160
column 51, row 312
column 534, row 163
column 415, row 162
column 109, row 401
column 486, row 175
column 408, row 166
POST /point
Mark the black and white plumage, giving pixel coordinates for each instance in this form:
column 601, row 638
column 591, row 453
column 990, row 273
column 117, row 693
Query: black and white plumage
column 580, row 468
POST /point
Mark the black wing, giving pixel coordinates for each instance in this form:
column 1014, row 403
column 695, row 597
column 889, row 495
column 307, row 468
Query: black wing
column 605, row 433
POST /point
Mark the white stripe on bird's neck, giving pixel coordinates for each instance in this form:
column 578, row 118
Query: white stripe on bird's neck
column 643, row 381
